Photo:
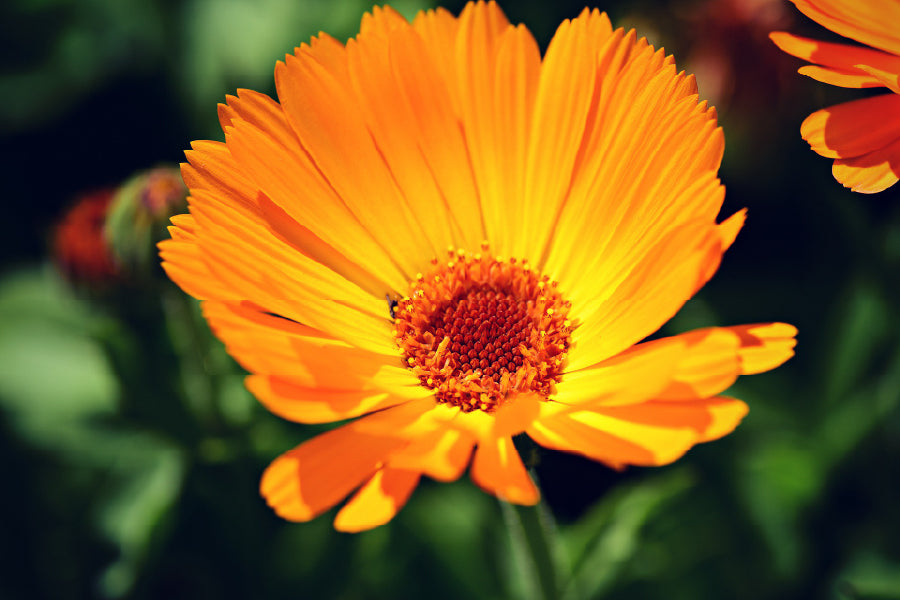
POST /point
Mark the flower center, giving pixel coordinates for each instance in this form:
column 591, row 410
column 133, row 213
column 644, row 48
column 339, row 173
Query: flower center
column 479, row 330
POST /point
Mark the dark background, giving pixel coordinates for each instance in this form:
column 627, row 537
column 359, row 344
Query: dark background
column 131, row 452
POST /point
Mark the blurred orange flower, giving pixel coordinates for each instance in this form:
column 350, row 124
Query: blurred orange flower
column 80, row 247
column 863, row 136
column 578, row 198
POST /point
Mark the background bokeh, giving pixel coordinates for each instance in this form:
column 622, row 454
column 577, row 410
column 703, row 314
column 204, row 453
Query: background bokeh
column 131, row 452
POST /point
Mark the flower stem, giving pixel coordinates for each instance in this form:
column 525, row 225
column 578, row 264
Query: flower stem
column 532, row 537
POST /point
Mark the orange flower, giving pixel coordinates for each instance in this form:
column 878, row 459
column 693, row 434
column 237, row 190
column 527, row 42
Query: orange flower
column 863, row 136
column 80, row 247
column 577, row 196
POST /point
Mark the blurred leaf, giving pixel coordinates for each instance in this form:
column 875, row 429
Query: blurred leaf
column 861, row 411
column 779, row 479
column 144, row 482
column 605, row 539
column 858, row 336
column 870, row 577
column 80, row 44
column 455, row 522
column 54, row 378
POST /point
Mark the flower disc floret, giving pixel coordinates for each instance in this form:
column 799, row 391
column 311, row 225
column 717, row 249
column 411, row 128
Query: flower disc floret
column 478, row 330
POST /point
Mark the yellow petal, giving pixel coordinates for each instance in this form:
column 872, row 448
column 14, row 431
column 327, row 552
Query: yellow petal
column 651, row 294
column 764, row 346
column 614, row 441
column 870, row 173
column 637, row 374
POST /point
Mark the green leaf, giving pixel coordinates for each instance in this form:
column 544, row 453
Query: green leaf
column 54, row 377
column 605, row 539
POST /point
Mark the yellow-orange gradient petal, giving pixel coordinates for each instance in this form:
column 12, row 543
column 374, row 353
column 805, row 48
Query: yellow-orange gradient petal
column 648, row 434
column 872, row 22
column 442, row 454
column 498, row 470
column 697, row 364
column 715, row 357
column 305, row 404
column 764, row 346
column 377, row 501
column 308, row 480
column 654, row 290
column 870, row 173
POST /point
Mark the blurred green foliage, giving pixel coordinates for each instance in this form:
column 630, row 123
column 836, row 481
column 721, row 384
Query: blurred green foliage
column 132, row 452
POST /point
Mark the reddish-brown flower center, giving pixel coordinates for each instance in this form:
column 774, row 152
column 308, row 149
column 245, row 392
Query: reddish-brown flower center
column 478, row 330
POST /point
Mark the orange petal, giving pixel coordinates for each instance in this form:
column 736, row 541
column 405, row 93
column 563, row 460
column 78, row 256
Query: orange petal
column 326, row 116
column 475, row 54
column 840, row 57
column 377, row 501
column 498, row 470
column 647, row 166
column 441, row 454
column 840, row 77
column 438, row 134
column 279, row 172
column 183, row 262
column 381, row 22
column 391, row 122
column 872, row 22
column 709, row 364
column 870, row 173
column 438, row 29
column 212, row 168
column 304, row 482
column 515, row 82
column 562, row 106
column 271, row 345
column 248, row 259
column 714, row 358
column 854, row 128
column 304, row 404
column 889, row 79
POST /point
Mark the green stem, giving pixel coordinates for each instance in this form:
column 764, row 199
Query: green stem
column 191, row 339
column 532, row 537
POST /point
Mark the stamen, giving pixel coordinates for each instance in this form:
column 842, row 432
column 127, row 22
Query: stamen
column 479, row 330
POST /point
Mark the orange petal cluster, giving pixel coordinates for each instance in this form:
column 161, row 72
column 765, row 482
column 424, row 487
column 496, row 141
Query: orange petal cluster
column 313, row 227
column 863, row 136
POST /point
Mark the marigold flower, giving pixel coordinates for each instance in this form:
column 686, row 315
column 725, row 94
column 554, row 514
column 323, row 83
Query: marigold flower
column 80, row 248
column 441, row 235
column 863, row 136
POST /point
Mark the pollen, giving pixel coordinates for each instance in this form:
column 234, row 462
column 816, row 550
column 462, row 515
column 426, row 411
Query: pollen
column 479, row 330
